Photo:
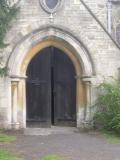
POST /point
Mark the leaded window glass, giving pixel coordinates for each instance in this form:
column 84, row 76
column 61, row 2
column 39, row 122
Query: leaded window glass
column 51, row 6
column 51, row 3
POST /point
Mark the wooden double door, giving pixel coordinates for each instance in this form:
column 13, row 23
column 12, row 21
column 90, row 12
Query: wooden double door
column 51, row 89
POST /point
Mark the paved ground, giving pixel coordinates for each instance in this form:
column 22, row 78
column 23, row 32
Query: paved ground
column 71, row 146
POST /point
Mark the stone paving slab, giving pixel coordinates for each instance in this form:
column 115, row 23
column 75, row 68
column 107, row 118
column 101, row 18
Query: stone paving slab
column 49, row 131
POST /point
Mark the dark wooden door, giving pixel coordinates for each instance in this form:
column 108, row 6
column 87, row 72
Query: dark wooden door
column 51, row 89
column 38, row 90
column 64, row 90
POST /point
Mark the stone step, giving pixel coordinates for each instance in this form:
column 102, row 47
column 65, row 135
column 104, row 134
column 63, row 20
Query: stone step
column 49, row 131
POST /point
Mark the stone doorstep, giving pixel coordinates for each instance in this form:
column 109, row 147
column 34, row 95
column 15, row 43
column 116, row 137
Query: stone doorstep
column 49, row 131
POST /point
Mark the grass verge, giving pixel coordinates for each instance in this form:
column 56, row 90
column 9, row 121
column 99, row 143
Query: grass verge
column 6, row 138
column 111, row 137
column 4, row 155
column 52, row 157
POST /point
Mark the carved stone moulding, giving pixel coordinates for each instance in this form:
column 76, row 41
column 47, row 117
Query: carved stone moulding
column 51, row 6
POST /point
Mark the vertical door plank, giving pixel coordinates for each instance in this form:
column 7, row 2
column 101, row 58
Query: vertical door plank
column 64, row 89
column 39, row 89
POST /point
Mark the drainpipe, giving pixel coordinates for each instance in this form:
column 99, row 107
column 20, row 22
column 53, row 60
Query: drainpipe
column 109, row 16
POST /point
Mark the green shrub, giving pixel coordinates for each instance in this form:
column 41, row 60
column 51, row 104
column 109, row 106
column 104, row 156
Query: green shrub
column 7, row 14
column 107, row 115
column 101, row 120
column 115, row 123
column 3, row 71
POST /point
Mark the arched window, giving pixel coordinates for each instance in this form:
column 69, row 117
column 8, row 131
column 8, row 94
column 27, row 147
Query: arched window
column 118, row 34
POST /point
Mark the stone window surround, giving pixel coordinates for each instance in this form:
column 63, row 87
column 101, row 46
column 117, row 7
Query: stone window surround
column 51, row 11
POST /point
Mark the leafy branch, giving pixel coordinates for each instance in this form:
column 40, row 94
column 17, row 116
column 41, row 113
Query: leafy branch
column 7, row 14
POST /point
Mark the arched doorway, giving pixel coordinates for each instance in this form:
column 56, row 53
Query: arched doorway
column 51, row 89
column 22, row 56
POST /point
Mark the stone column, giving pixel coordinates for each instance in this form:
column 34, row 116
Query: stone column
column 88, row 99
column 14, row 105
column 87, row 120
column 18, row 98
column 80, row 105
column 23, row 85
column 83, row 100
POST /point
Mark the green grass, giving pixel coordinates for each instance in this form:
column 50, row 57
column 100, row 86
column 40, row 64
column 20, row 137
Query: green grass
column 52, row 157
column 4, row 155
column 111, row 137
column 6, row 138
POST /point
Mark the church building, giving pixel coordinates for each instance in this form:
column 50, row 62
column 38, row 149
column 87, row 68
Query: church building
column 59, row 51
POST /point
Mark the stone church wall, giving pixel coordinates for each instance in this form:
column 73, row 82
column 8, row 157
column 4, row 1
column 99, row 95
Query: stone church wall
column 75, row 19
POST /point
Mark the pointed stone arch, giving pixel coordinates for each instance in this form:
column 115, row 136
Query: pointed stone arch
column 28, row 48
column 53, row 34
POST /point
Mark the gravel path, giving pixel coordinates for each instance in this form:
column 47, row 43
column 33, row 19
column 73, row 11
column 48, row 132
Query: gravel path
column 74, row 146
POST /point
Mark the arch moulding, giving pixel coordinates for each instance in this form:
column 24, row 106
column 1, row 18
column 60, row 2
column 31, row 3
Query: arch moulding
column 51, row 34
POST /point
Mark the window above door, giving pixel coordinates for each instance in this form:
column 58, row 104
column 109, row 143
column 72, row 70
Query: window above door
column 51, row 6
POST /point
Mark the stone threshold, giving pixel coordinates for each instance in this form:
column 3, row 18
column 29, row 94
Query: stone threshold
column 50, row 131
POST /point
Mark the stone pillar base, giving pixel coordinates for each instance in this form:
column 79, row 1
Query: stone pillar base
column 85, row 126
column 16, row 126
